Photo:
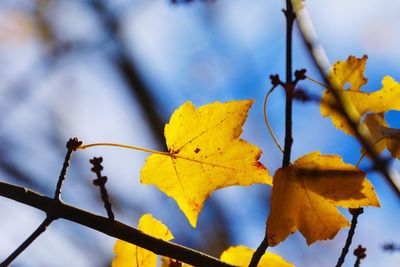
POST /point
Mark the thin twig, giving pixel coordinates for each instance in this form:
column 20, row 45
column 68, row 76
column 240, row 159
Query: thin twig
column 289, row 86
column 42, row 227
column 72, row 145
column 101, row 182
column 321, row 62
column 361, row 254
column 345, row 250
column 289, row 89
column 116, row 229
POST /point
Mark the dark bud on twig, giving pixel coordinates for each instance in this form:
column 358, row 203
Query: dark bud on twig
column 73, row 144
column 360, row 253
column 97, row 167
column 101, row 183
column 275, row 80
column 300, row 74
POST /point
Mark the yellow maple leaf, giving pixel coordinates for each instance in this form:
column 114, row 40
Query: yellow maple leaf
column 382, row 135
column 304, row 196
column 241, row 256
column 358, row 103
column 128, row 255
column 205, row 154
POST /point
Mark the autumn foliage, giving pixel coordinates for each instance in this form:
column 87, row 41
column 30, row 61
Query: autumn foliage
column 205, row 153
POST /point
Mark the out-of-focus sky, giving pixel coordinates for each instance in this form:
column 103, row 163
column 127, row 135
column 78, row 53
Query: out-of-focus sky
column 61, row 76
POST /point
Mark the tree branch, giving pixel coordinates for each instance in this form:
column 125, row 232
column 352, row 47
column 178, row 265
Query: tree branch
column 57, row 209
column 345, row 250
column 40, row 230
column 289, row 88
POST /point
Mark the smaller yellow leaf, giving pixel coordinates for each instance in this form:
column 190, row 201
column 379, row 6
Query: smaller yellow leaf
column 350, row 71
column 382, row 135
column 241, row 256
column 357, row 102
column 128, row 255
column 305, row 196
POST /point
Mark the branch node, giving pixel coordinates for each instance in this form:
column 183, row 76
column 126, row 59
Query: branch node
column 101, row 183
column 357, row 211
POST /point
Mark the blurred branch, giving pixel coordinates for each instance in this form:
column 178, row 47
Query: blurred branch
column 116, row 229
column 320, row 60
column 129, row 71
column 391, row 247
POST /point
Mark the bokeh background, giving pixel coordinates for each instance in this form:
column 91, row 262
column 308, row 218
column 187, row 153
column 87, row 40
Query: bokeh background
column 115, row 70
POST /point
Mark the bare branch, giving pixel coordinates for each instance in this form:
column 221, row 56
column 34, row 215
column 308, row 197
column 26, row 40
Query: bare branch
column 57, row 209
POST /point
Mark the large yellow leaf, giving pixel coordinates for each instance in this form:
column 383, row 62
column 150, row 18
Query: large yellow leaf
column 358, row 103
column 128, row 255
column 205, row 154
column 382, row 135
column 305, row 196
column 241, row 256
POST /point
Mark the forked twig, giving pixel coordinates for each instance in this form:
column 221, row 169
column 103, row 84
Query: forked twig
column 71, row 145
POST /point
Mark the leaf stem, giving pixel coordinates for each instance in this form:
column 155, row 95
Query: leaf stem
column 317, row 82
column 360, row 160
column 271, row 132
column 125, row 146
column 41, row 228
